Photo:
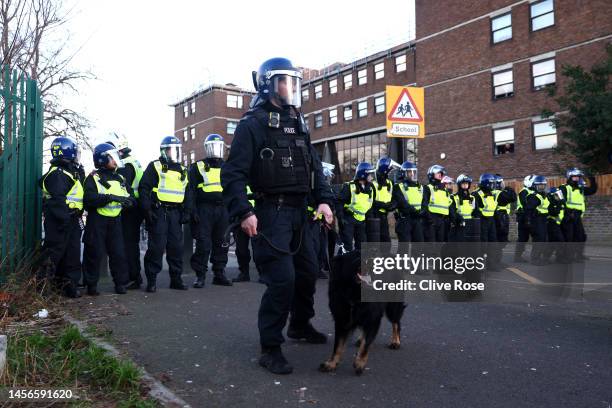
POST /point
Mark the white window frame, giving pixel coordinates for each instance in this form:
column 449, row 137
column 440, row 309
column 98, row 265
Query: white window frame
column 539, row 135
column 192, row 156
column 318, row 91
column 233, row 128
column 541, row 16
column 348, row 81
column 185, row 110
column 185, row 135
column 504, row 140
column 540, row 75
column 347, row 112
column 362, row 109
column 333, row 86
column 379, row 70
column 333, row 116
column 305, row 94
column 234, row 101
column 192, row 108
column 362, row 76
column 318, row 120
column 499, row 86
column 192, row 133
column 400, row 63
column 379, row 104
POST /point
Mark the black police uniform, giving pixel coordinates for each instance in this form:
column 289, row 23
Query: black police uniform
column 209, row 230
column 408, row 221
column 488, row 232
column 381, row 210
column 271, row 152
column 62, row 245
column 131, row 220
column 435, row 226
column 103, row 234
column 537, row 226
column 556, row 246
column 522, row 225
column 352, row 231
column 164, row 225
column 572, row 226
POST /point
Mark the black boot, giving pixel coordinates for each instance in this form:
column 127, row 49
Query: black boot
column 273, row 360
column 221, row 279
column 134, row 285
column 71, row 291
column 199, row 282
column 92, row 290
column 177, row 283
column 242, row 277
column 120, row 290
column 151, row 286
column 322, row 274
column 306, row 332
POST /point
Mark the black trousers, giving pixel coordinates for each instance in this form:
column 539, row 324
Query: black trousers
column 62, row 249
column 208, row 234
column 574, row 233
column 384, row 225
column 323, row 248
column 539, row 233
column 352, row 231
column 488, row 238
column 104, row 235
column 434, row 229
column 165, row 235
column 409, row 229
column 556, row 241
column 502, row 226
column 523, row 234
column 289, row 279
column 131, row 220
column 243, row 254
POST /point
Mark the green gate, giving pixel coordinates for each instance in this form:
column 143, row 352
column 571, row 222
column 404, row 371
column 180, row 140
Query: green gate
column 21, row 127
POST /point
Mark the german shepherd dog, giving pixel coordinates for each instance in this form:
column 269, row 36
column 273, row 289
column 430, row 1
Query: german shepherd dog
column 350, row 313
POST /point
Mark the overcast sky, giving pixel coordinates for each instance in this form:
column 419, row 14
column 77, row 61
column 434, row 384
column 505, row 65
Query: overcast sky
column 149, row 54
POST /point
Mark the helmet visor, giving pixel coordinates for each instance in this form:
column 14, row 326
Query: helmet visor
column 410, row 174
column 114, row 154
column 214, row 149
column 287, row 88
column 77, row 158
column 539, row 187
column 172, row 153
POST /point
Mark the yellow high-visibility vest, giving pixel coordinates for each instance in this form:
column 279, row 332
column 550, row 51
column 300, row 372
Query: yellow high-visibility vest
column 171, row 185
column 574, row 198
column 384, row 194
column 211, row 178
column 74, row 197
column 413, row 195
column 439, row 201
column 465, row 206
column 543, row 206
column 112, row 209
column 360, row 203
column 489, row 202
column 137, row 173
column 505, row 208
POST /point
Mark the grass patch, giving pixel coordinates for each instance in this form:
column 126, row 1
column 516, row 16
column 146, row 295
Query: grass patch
column 66, row 359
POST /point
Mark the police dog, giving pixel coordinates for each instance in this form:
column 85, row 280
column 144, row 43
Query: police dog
column 350, row 313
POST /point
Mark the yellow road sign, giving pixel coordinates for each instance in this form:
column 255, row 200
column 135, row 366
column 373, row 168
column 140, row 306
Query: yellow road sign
column 405, row 111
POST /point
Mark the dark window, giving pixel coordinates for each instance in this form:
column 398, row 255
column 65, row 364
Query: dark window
column 318, row 120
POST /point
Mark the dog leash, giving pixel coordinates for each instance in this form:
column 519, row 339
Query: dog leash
column 260, row 235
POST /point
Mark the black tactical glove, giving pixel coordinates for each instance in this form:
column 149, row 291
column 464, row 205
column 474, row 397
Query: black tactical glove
column 195, row 218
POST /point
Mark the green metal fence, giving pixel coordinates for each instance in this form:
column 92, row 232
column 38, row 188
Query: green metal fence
column 21, row 127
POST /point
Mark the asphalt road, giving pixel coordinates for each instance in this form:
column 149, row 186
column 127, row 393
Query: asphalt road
column 203, row 344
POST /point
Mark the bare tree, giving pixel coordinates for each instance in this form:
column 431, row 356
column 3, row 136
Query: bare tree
column 33, row 39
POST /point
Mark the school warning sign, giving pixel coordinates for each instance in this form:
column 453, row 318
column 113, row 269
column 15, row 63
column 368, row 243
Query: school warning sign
column 405, row 112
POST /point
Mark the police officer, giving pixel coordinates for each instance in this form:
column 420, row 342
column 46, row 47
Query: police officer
column 408, row 196
column 210, row 219
column 536, row 211
column 574, row 191
column 436, row 206
column 521, row 219
column 131, row 217
column 485, row 205
column 556, row 213
column 448, row 183
column 383, row 203
column 166, row 204
column 62, row 207
column 271, row 152
column 356, row 198
column 502, row 211
column 106, row 193
column 243, row 255
column 464, row 204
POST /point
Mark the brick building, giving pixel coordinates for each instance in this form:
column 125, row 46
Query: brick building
column 484, row 66
column 345, row 108
column 216, row 109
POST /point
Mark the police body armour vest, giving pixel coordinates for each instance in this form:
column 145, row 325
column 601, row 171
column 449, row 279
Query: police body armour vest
column 211, row 178
column 171, row 184
column 360, row 203
column 465, row 206
column 112, row 209
column 74, row 197
column 504, row 208
column 543, row 206
column 439, row 201
column 412, row 194
column 574, row 198
column 383, row 194
column 283, row 163
column 489, row 204
column 137, row 173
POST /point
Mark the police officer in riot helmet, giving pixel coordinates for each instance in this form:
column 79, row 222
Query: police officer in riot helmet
column 272, row 153
column 536, row 212
column 436, row 206
column 464, row 206
column 408, row 196
column 356, row 197
column 522, row 223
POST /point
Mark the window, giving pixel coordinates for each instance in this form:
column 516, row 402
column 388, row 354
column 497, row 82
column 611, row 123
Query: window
column 185, row 135
column 543, row 73
column 192, row 107
column 318, row 120
column 192, row 156
column 348, row 112
column 544, row 135
column 348, row 81
column 542, row 14
column 503, row 86
column 185, row 159
column 501, row 28
column 503, row 141
column 362, row 109
column 379, row 104
column 400, row 63
column 305, row 94
column 333, row 86
column 185, row 110
column 379, row 70
column 318, row 91
column 333, row 116
column 192, row 133
column 231, row 127
column 362, row 76
column 234, row 101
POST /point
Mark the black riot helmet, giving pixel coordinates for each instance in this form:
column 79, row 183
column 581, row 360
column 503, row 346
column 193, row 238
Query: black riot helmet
column 277, row 79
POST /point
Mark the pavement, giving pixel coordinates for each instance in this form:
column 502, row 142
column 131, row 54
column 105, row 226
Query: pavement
column 203, row 344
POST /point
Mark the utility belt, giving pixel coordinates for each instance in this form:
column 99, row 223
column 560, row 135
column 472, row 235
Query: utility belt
column 167, row 206
column 280, row 200
column 210, row 202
